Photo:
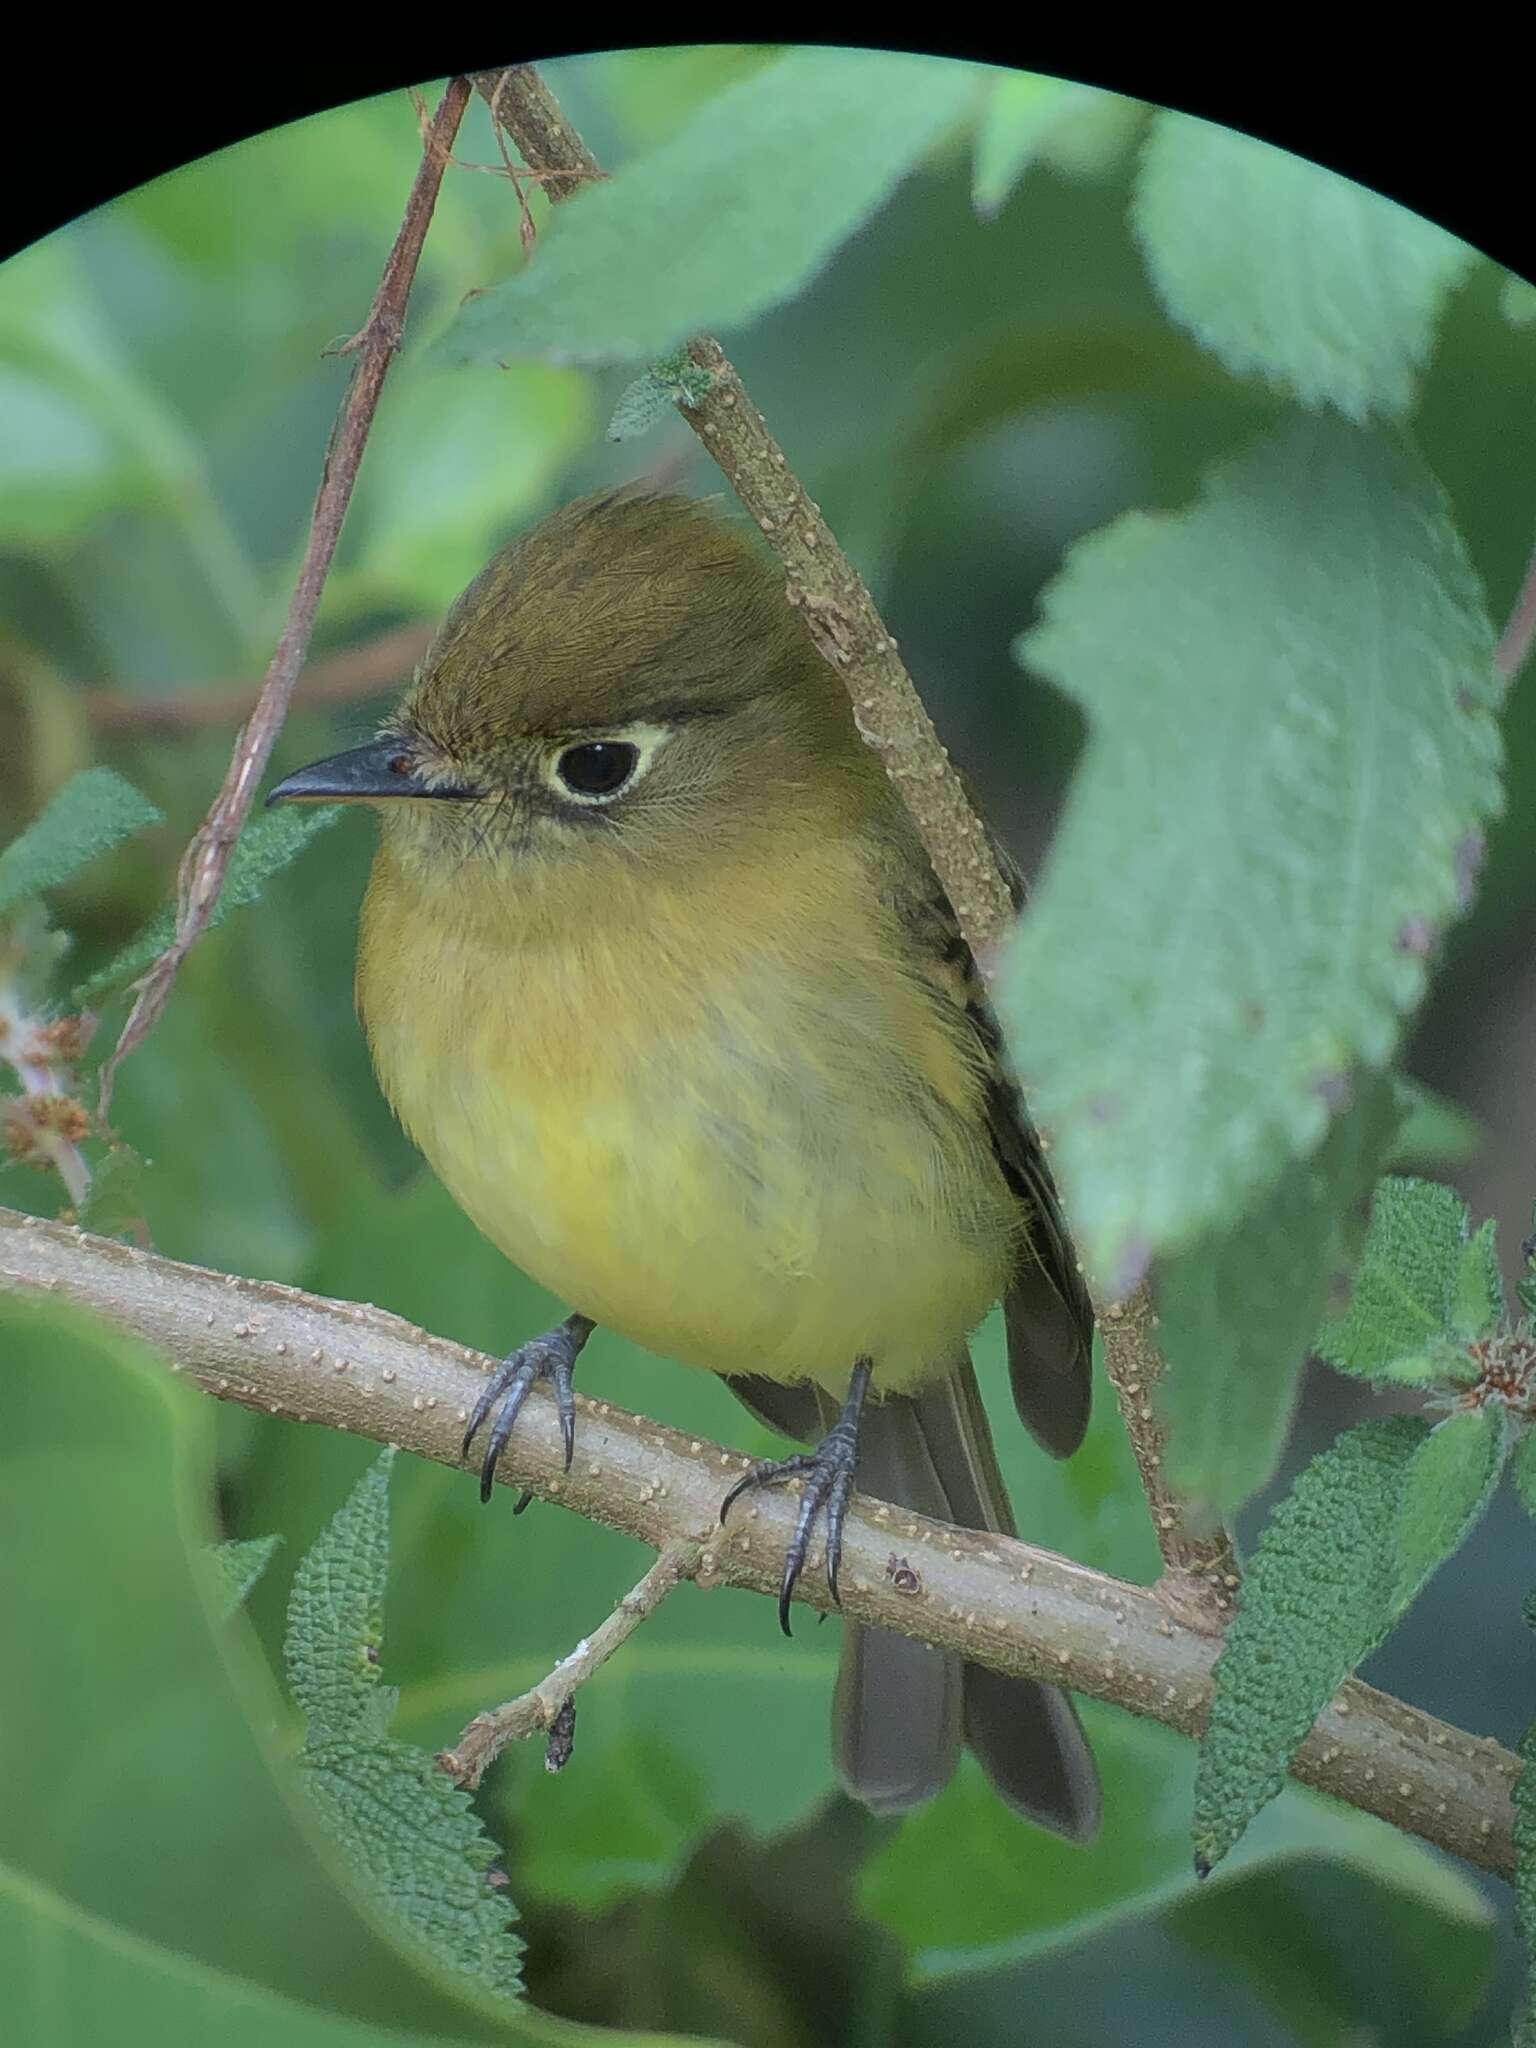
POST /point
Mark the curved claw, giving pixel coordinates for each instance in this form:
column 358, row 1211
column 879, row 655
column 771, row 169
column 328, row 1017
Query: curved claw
column 828, row 1473
column 512, row 1406
column 482, row 1408
column 552, row 1357
column 565, row 1406
column 769, row 1472
column 787, row 1592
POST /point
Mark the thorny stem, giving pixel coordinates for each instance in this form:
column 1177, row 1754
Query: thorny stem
column 1201, row 1572
column 538, row 1709
column 206, row 860
column 1007, row 1605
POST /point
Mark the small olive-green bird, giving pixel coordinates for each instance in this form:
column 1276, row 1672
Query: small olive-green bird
column 657, row 974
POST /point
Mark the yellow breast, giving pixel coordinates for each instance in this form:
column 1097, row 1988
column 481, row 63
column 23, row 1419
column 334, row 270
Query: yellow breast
column 736, row 1131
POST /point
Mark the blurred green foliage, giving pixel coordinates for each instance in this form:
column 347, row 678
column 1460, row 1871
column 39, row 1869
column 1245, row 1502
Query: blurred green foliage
column 982, row 375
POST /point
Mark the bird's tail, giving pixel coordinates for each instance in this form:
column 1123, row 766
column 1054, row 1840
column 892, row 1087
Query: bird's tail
column 902, row 1709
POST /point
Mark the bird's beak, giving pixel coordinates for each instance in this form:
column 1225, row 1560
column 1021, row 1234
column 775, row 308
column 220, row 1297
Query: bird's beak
column 363, row 775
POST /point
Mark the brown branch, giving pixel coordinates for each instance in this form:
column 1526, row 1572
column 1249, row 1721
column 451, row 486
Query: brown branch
column 1008, row 1605
column 539, row 1710
column 371, row 666
column 824, row 585
column 206, row 860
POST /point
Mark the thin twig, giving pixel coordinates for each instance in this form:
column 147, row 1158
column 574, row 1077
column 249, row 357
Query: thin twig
column 822, row 582
column 206, row 860
column 365, row 670
column 1007, row 1605
column 539, row 1709
column 1520, row 629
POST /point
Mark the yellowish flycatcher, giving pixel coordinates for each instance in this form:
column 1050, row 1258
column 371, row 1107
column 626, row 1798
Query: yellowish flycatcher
column 657, row 974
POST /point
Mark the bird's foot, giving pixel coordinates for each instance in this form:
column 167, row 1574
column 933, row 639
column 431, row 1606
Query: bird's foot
column 828, row 1475
column 551, row 1357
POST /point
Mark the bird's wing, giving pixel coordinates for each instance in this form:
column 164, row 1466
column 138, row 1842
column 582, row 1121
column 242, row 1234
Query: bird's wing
column 1047, row 1311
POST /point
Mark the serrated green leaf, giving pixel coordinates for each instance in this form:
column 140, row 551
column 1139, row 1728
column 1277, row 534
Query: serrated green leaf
column 1433, row 1132
column 336, row 1611
column 1318, row 1596
column 1445, row 1491
column 269, row 842
column 1237, row 1311
column 1437, row 1365
column 1478, row 1306
column 1522, row 1469
column 734, row 215
column 94, row 811
column 1299, row 670
column 1404, row 1296
column 675, row 380
column 1285, row 269
column 409, row 1833
column 413, row 1838
column 237, row 1566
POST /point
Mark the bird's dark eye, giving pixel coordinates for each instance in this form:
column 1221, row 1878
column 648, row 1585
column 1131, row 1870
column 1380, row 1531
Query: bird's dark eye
column 597, row 767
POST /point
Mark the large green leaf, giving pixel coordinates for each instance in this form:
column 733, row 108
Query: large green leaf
column 1238, row 1310
column 1296, row 671
column 1321, row 1591
column 969, row 1888
column 74, row 1979
column 1283, row 268
column 147, row 1721
column 733, row 215
column 1309, row 1951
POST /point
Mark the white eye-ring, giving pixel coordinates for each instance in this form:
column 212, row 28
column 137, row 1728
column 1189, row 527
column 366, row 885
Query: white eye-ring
column 597, row 771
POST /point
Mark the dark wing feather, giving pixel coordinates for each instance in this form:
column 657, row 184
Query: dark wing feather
column 1047, row 1311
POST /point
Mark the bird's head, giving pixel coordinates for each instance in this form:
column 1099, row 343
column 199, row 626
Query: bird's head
column 626, row 686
